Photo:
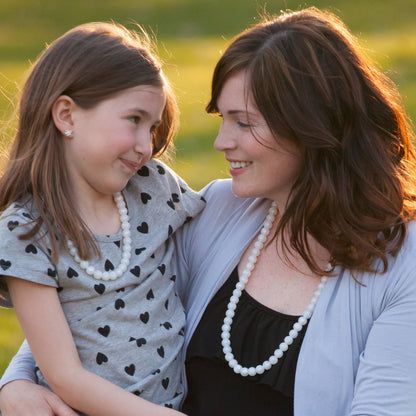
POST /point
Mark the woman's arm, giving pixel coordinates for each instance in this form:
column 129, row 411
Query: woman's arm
column 21, row 367
column 385, row 384
column 46, row 329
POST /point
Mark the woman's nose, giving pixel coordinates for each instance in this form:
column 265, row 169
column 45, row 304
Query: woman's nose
column 225, row 139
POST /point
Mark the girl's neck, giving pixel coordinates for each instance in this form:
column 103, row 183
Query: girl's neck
column 99, row 212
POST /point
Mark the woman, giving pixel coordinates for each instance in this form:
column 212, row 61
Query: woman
column 318, row 146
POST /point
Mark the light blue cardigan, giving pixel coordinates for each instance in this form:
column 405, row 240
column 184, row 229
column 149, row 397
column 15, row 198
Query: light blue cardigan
column 358, row 356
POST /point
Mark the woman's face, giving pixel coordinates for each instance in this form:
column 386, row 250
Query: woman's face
column 261, row 165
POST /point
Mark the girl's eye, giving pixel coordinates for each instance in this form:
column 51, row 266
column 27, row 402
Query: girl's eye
column 134, row 119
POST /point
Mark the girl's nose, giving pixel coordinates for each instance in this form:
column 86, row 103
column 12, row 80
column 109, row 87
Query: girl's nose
column 144, row 143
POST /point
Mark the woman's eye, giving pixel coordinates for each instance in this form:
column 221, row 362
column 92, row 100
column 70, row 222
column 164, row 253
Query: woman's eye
column 243, row 125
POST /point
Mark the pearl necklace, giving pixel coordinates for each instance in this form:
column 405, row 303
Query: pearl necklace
column 234, row 299
column 126, row 247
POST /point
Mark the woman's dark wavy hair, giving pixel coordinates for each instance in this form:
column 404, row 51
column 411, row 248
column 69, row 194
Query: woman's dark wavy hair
column 315, row 88
column 89, row 63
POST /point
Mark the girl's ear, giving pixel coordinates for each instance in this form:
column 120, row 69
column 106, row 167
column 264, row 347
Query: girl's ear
column 62, row 110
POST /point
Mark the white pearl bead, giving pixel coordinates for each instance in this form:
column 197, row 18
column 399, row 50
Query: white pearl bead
column 288, row 340
column 229, row 356
column 267, row 365
column 234, row 299
column 237, row 294
column 283, row 346
column 307, row 314
column 302, row 320
column 230, row 313
column 244, row 372
column 251, row 371
column 278, row 353
column 226, row 350
column 225, row 342
column 237, row 369
column 233, row 363
column 226, row 328
column 259, row 369
column 273, row 360
column 297, row 327
column 293, row 333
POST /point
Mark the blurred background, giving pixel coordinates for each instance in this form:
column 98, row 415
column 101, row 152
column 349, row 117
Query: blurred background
column 190, row 37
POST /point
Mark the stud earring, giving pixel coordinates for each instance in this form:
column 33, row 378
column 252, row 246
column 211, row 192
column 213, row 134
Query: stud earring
column 68, row 133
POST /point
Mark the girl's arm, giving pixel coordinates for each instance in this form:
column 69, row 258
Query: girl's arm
column 22, row 398
column 44, row 324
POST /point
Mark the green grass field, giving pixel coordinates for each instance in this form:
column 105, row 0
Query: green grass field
column 191, row 35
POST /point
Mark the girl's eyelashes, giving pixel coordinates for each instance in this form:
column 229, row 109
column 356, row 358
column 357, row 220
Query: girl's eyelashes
column 134, row 119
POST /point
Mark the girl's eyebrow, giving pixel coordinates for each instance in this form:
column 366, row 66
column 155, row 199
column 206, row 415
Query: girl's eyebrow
column 143, row 113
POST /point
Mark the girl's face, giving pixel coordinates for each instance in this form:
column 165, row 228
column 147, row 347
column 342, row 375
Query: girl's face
column 112, row 140
column 259, row 166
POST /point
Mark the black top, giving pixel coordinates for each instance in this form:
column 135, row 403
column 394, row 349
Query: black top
column 214, row 388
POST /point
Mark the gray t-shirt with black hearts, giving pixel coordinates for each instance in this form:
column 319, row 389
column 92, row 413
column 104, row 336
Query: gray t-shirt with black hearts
column 129, row 331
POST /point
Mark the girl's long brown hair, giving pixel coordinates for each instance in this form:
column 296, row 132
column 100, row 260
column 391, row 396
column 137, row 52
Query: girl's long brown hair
column 315, row 88
column 89, row 63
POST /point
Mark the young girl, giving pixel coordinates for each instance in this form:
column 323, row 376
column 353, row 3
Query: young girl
column 86, row 220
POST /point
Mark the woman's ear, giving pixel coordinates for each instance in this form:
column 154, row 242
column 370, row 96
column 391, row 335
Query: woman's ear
column 62, row 110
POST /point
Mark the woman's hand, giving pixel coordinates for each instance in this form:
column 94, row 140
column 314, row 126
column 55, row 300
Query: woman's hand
column 23, row 398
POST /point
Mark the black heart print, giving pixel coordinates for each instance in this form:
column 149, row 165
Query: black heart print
column 162, row 268
column 171, row 204
column 101, row 358
column 130, row 370
column 144, row 317
column 11, row 225
column 167, row 325
column 150, row 295
column 143, row 228
column 143, row 171
column 135, row 271
column 160, row 169
column 99, row 288
column 71, row 273
column 51, row 273
column 119, row 304
column 175, row 197
column 161, row 351
column 5, row 264
column 140, row 342
column 108, row 265
column 145, row 197
column 31, row 249
column 104, row 331
column 139, row 250
column 165, row 383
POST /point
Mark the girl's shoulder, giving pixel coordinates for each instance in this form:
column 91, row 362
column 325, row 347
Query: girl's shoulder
column 158, row 196
column 17, row 215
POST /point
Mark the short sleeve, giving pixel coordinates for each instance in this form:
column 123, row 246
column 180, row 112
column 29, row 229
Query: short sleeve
column 26, row 259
